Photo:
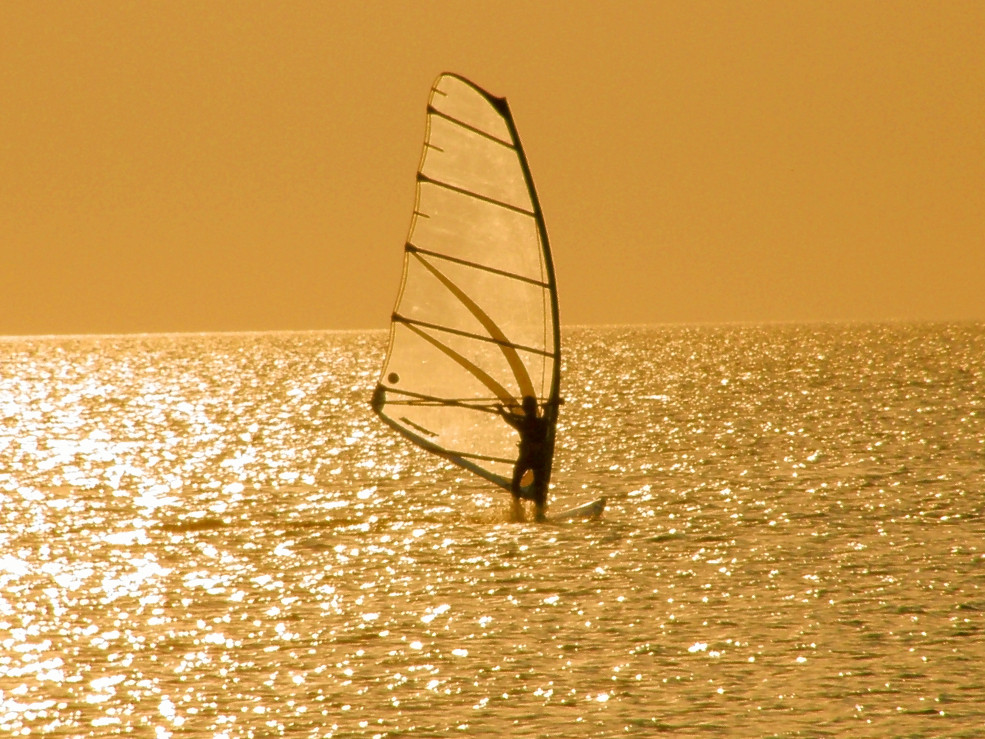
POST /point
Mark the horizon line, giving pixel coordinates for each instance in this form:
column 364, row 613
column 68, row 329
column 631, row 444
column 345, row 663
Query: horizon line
column 654, row 324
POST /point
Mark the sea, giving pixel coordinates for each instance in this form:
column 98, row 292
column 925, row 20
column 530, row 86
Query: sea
column 211, row 535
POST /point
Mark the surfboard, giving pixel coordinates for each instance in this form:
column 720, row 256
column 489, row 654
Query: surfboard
column 592, row 509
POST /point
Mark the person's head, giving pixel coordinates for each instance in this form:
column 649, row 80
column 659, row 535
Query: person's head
column 530, row 405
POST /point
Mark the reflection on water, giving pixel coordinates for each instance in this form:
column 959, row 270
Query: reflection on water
column 211, row 535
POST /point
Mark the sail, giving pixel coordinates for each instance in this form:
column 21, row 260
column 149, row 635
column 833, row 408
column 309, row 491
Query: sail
column 475, row 325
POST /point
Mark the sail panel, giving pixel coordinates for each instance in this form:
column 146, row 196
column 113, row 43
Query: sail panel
column 431, row 300
column 475, row 230
column 475, row 323
column 461, row 100
column 458, row 157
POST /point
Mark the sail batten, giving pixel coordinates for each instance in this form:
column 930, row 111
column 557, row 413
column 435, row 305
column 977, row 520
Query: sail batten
column 475, row 326
column 478, row 337
column 469, row 193
column 476, row 265
column 466, row 126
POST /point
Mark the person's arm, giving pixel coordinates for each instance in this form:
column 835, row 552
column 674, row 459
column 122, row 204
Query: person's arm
column 511, row 418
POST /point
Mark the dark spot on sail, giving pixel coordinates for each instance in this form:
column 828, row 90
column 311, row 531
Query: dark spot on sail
column 393, row 378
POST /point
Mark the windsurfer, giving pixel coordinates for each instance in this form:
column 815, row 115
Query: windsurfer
column 533, row 455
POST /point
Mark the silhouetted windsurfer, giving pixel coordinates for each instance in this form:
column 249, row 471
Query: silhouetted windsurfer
column 533, row 456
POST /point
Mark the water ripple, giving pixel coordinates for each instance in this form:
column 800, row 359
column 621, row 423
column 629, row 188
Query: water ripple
column 211, row 535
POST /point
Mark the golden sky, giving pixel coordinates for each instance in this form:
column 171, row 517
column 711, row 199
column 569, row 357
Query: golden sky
column 215, row 166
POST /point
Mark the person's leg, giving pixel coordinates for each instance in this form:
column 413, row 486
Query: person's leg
column 540, row 494
column 516, row 510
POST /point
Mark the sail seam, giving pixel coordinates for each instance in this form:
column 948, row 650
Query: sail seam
column 425, row 399
column 397, row 318
column 431, row 401
column 483, row 457
column 421, row 177
column 422, row 400
column 418, row 426
column 471, row 403
column 467, row 403
column 473, row 455
column 457, row 260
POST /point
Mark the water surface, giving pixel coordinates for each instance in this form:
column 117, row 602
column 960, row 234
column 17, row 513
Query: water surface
column 211, row 535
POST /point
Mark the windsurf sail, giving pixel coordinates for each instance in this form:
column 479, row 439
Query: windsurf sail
column 475, row 326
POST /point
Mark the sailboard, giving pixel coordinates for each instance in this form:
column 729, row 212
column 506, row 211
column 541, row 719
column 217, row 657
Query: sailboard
column 475, row 326
column 591, row 510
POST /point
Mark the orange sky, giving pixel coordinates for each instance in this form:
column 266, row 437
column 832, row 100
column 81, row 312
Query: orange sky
column 170, row 166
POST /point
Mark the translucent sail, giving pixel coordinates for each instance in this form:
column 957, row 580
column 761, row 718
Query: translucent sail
column 475, row 325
